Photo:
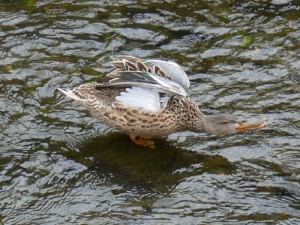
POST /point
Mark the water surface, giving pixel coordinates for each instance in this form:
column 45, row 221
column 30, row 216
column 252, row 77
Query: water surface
column 60, row 166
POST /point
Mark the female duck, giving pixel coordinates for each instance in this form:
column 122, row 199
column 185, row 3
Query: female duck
column 147, row 99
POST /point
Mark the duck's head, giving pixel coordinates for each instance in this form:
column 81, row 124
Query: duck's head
column 224, row 124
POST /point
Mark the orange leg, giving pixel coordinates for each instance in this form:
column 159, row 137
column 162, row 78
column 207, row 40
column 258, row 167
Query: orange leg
column 141, row 141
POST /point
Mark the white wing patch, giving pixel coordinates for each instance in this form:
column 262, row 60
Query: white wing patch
column 142, row 98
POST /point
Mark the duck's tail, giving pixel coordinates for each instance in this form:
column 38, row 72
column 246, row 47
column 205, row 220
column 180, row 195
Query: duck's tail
column 70, row 94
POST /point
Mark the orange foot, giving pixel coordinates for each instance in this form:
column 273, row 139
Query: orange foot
column 141, row 141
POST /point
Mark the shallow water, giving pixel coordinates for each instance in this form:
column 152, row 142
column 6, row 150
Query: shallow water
column 60, row 166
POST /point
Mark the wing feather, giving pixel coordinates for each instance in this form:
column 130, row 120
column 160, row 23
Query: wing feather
column 142, row 98
column 143, row 79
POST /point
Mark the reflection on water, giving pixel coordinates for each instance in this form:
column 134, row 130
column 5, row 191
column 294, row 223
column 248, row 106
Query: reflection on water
column 116, row 157
column 60, row 166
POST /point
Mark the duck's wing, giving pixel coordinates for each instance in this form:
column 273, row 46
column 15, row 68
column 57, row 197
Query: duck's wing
column 131, row 63
column 143, row 90
column 163, row 68
column 172, row 69
column 143, row 79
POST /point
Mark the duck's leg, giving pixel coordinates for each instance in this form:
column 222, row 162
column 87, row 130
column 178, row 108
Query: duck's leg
column 141, row 141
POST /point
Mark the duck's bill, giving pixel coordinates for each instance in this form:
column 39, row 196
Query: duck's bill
column 251, row 124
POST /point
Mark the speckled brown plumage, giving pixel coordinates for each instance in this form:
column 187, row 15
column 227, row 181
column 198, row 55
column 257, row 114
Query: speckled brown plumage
column 136, row 64
column 139, row 98
column 180, row 114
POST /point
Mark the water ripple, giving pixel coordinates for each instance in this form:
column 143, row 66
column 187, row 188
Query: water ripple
column 60, row 166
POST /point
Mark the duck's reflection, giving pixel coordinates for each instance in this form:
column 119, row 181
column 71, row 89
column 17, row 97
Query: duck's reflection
column 120, row 160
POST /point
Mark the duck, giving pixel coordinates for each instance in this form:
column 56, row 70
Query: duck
column 147, row 99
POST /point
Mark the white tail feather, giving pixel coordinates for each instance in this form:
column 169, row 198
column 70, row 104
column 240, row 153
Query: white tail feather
column 70, row 94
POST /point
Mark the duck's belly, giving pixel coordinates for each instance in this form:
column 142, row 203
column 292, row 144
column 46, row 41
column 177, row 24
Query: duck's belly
column 148, row 131
column 139, row 123
column 145, row 127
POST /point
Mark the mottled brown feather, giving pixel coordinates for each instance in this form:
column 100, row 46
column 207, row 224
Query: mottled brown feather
column 176, row 116
column 130, row 63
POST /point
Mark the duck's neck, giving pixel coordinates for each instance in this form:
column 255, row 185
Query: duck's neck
column 196, row 121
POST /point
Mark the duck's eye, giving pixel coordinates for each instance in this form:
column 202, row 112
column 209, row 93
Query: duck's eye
column 225, row 122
